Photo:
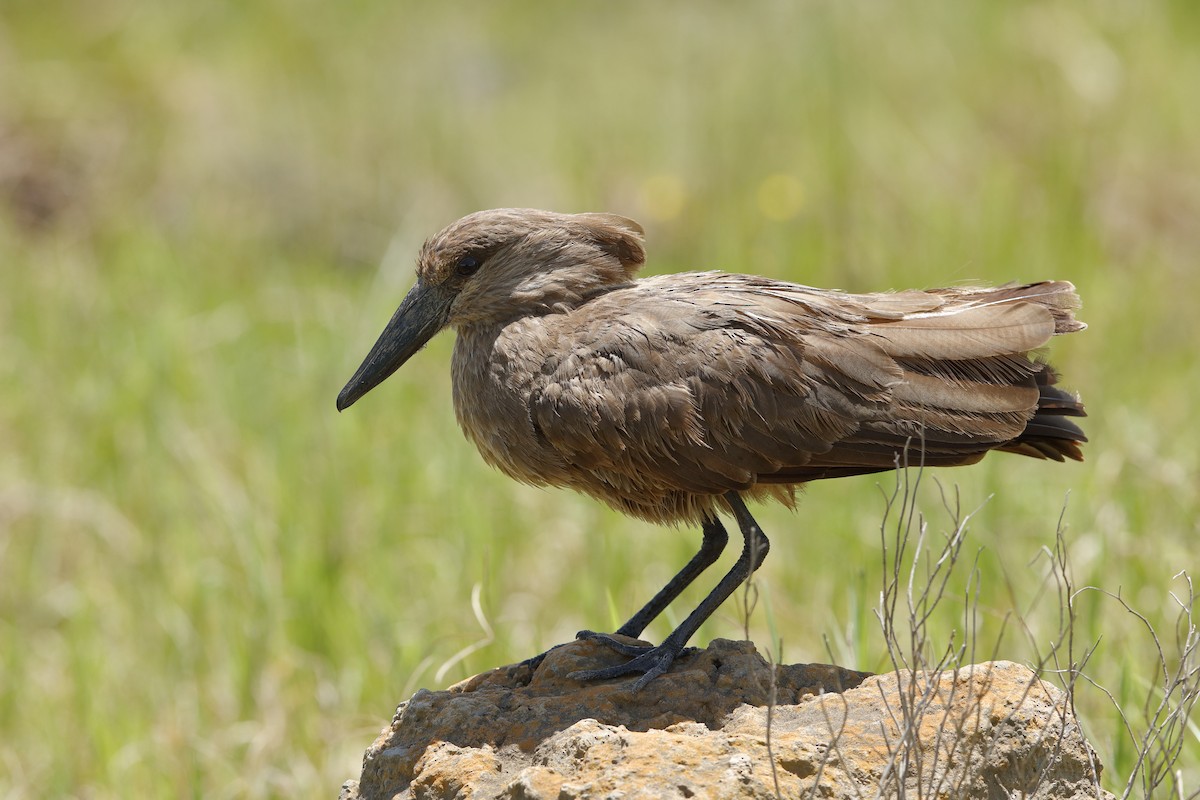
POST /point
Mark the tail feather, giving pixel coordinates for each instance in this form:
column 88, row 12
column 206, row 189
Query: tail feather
column 969, row 366
column 1050, row 434
column 940, row 378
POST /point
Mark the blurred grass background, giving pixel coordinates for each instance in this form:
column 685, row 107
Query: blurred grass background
column 211, row 584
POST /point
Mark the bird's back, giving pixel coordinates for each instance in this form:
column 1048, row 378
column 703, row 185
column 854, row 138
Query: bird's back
column 660, row 395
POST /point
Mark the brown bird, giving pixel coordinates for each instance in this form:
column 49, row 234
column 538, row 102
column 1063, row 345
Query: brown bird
column 674, row 397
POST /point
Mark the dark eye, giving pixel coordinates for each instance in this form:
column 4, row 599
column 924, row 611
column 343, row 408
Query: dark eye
column 467, row 265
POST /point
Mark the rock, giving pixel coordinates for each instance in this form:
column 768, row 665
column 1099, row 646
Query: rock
column 992, row 730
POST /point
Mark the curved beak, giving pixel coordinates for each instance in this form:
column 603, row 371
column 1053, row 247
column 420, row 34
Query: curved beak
column 423, row 313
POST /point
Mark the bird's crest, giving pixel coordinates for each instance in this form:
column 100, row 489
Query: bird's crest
column 510, row 262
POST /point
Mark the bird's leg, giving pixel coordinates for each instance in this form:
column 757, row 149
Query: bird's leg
column 654, row 661
column 711, row 547
column 715, row 539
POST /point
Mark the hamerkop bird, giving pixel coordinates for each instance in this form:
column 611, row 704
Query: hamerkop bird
column 675, row 397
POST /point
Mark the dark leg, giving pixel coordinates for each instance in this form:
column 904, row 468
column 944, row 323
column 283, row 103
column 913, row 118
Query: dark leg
column 715, row 539
column 654, row 661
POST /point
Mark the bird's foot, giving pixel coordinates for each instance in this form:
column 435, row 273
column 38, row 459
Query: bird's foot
column 613, row 643
column 649, row 660
column 534, row 662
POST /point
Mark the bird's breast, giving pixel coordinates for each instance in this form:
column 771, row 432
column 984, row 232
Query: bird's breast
column 494, row 372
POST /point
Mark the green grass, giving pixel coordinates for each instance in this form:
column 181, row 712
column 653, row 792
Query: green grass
column 213, row 585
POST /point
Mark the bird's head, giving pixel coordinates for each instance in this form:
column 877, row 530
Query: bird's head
column 498, row 265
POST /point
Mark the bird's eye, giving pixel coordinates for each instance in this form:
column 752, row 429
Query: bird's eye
column 467, row 265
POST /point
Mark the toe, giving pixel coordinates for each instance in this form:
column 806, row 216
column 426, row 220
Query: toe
column 615, row 644
column 650, row 663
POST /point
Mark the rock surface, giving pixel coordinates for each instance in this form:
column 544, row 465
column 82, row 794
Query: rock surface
column 991, row 731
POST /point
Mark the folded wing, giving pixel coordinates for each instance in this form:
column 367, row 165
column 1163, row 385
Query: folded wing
column 707, row 382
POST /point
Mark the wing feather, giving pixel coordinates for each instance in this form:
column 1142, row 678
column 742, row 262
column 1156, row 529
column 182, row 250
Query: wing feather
column 972, row 332
column 704, row 383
